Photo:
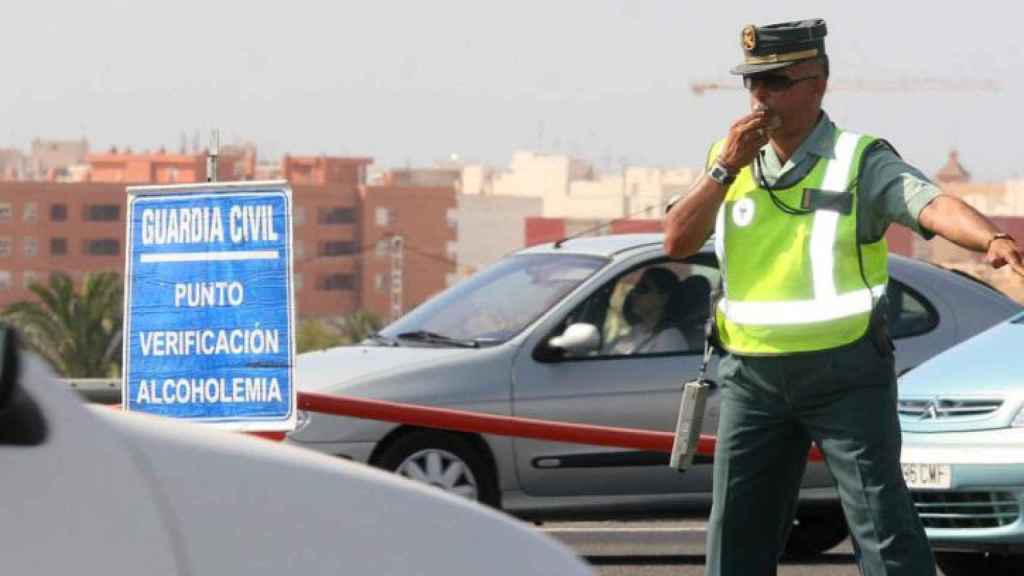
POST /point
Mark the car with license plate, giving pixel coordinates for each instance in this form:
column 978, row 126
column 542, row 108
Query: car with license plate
column 551, row 333
column 90, row 490
column 962, row 415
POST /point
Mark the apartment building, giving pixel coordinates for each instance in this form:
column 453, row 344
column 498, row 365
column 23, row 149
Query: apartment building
column 326, row 248
column 409, row 237
column 543, row 230
column 50, row 227
column 490, row 227
column 55, row 159
column 571, row 188
column 161, row 167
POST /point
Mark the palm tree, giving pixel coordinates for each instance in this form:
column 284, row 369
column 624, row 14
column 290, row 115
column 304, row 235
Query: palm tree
column 358, row 325
column 78, row 332
column 319, row 334
column 313, row 334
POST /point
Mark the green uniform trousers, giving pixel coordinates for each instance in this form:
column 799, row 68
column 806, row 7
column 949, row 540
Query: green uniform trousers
column 772, row 407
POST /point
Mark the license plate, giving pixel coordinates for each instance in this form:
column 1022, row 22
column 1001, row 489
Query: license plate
column 934, row 476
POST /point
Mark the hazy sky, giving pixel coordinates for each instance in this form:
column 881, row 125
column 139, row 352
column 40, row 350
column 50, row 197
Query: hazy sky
column 415, row 81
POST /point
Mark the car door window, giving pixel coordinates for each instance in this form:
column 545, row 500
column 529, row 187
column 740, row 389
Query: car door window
column 657, row 308
column 910, row 313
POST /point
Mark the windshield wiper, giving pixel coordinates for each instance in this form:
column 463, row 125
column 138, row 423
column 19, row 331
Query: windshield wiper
column 435, row 338
column 385, row 340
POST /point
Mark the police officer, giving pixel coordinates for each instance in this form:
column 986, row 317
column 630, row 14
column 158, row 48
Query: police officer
column 799, row 208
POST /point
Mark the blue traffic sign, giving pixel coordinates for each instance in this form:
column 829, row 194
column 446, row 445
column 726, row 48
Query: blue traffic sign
column 208, row 304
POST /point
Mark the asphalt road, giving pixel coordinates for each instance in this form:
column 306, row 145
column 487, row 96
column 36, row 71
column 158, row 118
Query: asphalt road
column 661, row 548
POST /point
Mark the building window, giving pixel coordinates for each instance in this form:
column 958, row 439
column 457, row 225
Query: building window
column 336, row 248
column 5, row 280
column 5, row 246
column 297, row 281
column 336, row 215
column 101, row 213
column 378, row 282
column 452, row 217
column 101, row 247
column 337, row 282
column 30, row 246
column 383, row 247
column 28, row 278
column 299, row 217
column 299, row 248
column 58, row 212
column 451, row 248
column 5, row 212
column 383, row 216
column 29, row 212
column 58, row 246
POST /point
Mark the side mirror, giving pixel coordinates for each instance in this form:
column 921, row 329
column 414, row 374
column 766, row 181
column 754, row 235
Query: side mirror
column 577, row 339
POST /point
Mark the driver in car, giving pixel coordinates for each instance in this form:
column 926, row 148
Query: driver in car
column 645, row 313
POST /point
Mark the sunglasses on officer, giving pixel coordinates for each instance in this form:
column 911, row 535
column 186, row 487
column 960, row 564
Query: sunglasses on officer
column 774, row 82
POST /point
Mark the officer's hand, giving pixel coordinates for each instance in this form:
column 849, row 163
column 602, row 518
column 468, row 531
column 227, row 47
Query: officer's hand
column 746, row 137
column 1003, row 251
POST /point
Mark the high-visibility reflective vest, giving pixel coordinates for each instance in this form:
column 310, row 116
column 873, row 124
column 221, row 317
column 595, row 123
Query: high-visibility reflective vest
column 797, row 282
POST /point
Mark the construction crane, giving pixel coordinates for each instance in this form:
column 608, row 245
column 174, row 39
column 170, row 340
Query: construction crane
column 910, row 84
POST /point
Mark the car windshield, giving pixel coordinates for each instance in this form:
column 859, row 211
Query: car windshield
column 499, row 302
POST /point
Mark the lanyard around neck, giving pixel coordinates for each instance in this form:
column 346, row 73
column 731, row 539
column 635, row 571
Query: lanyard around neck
column 771, row 188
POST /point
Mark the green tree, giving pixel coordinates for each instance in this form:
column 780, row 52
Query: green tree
column 78, row 331
column 357, row 326
column 317, row 334
column 314, row 335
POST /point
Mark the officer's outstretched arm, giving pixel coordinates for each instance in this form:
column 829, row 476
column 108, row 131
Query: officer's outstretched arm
column 958, row 222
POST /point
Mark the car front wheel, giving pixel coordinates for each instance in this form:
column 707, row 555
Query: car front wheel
column 444, row 460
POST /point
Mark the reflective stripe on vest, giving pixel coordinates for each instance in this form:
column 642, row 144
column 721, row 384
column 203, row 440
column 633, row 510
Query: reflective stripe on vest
column 801, row 311
column 827, row 304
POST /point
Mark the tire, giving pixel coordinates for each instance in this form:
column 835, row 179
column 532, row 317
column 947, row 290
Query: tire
column 976, row 563
column 813, row 534
column 444, row 460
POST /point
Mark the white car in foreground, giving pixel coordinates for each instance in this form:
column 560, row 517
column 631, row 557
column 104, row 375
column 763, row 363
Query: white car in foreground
column 94, row 491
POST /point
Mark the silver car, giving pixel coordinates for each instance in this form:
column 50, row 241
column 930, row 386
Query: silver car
column 554, row 333
column 962, row 415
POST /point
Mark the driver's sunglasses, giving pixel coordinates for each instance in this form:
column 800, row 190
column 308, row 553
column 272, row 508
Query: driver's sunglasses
column 774, row 82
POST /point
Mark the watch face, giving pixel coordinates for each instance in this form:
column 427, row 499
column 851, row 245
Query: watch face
column 718, row 174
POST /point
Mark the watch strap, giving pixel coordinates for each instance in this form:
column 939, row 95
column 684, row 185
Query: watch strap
column 998, row 236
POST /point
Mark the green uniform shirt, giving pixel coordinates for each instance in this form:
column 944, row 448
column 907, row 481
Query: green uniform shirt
column 890, row 190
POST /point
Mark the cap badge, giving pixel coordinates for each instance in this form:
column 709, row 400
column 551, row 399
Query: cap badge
column 749, row 38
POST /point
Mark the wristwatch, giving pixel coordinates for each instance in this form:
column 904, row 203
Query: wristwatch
column 997, row 236
column 719, row 173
